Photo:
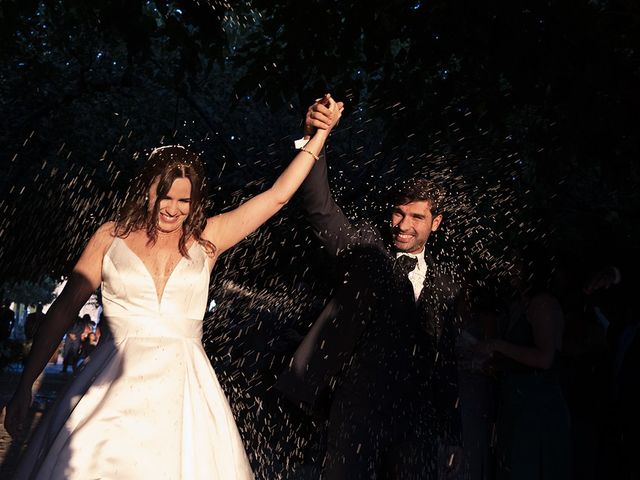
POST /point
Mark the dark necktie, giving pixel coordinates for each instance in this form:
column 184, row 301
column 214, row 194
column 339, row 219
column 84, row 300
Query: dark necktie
column 401, row 268
column 403, row 265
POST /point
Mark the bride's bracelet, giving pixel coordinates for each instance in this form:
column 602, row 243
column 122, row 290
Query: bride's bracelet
column 315, row 157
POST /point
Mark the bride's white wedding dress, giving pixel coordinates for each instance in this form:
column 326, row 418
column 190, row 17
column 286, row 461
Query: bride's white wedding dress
column 147, row 404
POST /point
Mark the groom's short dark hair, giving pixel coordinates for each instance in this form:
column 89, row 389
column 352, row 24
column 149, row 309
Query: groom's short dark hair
column 420, row 190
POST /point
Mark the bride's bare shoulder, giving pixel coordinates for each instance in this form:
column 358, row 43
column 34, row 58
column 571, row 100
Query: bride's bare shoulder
column 107, row 228
column 106, row 231
column 103, row 237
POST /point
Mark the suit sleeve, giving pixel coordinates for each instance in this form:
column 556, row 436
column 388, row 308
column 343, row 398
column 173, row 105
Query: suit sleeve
column 323, row 213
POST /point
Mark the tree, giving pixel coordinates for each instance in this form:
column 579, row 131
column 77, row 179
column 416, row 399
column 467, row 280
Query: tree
column 30, row 293
column 526, row 110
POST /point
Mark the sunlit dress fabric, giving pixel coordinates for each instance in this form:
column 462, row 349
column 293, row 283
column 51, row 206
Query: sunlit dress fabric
column 148, row 403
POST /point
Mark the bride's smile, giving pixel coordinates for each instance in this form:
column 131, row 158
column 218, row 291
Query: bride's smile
column 173, row 207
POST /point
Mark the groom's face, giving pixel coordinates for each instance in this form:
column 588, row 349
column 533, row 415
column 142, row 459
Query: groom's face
column 411, row 225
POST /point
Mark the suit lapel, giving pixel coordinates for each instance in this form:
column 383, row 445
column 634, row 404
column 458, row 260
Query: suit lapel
column 427, row 285
column 427, row 304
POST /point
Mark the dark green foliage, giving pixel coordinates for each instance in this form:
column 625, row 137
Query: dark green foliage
column 526, row 111
column 28, row 292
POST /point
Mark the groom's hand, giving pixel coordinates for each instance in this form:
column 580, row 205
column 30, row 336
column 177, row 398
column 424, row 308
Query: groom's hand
column 602, row 280
column 319, row 115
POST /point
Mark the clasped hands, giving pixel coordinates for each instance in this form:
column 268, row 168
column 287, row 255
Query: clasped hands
column 324, row 114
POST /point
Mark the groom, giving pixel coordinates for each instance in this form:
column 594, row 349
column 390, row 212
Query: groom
column 382, row 348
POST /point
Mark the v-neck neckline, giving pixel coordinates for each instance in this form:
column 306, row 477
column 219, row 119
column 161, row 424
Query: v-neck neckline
column 159, row 298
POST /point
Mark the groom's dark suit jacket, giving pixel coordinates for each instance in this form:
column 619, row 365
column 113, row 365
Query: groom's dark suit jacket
column 372, row 342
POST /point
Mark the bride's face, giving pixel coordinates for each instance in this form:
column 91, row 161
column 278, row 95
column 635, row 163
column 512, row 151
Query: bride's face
column 174, row 207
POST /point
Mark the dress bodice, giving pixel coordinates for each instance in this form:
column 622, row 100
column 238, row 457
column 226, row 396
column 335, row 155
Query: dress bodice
column 130, row 301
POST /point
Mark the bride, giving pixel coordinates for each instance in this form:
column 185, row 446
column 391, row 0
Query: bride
column 148, row 404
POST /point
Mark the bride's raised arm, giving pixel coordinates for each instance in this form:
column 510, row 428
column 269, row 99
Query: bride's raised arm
column 229, row 228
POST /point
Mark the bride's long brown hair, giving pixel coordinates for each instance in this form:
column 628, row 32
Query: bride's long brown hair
column 165, row 164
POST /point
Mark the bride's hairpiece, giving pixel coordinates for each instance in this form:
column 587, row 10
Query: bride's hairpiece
column 183, row 162
column 164, row 147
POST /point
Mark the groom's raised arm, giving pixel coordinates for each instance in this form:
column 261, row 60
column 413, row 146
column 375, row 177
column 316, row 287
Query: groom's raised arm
column 329, row 222
column 323, row 213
